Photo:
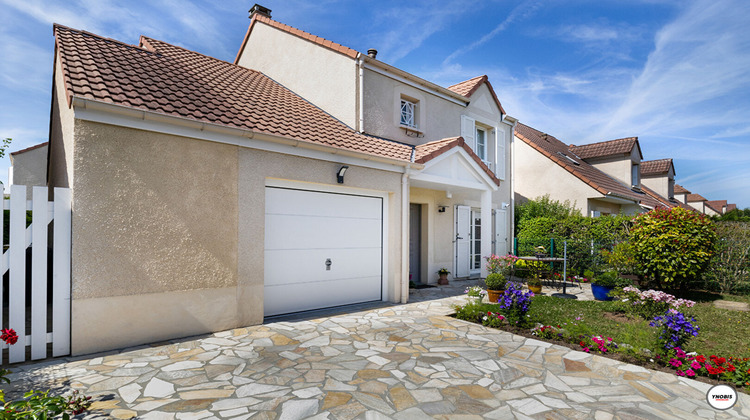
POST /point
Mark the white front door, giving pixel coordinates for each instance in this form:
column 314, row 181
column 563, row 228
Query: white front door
column 321, row 250
column 463, row 241
column 500, row 240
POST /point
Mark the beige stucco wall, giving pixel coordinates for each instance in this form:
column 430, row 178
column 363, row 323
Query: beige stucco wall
column 536, row 176
column 30, row 169
column 172, row 247
column 438, row 118
column 151, row 231
column 618, row 167
column 325, row 78
column 61, row 135
column 660, row 183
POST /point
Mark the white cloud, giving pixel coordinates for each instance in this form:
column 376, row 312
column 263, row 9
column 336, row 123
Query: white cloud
column 519, row 13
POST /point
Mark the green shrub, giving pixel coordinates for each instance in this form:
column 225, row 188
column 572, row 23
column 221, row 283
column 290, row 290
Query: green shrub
column 672, row 246
column 543, row 207
column 729, row 270
column 611, row 279
column 495, row 281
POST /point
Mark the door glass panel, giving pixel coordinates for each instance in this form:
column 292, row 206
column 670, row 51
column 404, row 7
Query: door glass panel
column 476, row 241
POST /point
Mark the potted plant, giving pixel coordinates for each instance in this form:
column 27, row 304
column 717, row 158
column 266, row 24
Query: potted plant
column 604, row 283
column 535, row 285
column 443, row 273
column 495, row 283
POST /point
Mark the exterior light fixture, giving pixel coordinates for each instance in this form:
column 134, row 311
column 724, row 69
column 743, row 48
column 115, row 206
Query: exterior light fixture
column 441, row 209
column 340, row 174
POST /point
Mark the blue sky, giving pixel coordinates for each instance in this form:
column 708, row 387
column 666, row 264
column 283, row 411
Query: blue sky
column 674, row 73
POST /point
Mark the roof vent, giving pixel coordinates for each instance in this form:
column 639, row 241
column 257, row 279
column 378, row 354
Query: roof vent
column 569, row 158
column 372, row 52
column 265, row 11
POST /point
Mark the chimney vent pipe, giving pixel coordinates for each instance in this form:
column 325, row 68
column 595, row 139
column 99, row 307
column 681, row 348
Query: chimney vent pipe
column 260, row 10
column 372, row 52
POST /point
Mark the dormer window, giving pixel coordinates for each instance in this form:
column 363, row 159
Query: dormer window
column 408, row 113
column 636, row 176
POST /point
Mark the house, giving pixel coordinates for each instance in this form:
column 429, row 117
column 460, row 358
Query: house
column 718, row 206
column 681, row 193
column 731, row 207
column 29, row 167
column 209, row 195
column 461, row 201
column 698, row 202
column 658, row 175
column 546, row 165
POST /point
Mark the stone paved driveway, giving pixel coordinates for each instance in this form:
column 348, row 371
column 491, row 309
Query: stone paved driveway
column 404, row 362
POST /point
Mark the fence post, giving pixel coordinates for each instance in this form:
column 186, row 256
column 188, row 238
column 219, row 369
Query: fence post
column 17, row 267
column 515, row 246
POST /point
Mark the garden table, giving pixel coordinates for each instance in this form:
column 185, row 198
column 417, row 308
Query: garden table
column 553, row 260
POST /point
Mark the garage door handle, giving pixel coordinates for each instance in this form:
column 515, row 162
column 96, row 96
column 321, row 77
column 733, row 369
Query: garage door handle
column 328, row 264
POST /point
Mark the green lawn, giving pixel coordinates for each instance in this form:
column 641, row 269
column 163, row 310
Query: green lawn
column 722, row 332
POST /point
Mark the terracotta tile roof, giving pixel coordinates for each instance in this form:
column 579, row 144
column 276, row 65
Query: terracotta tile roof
column 428, row 151
column 693, row 198
column 28, row 149
column 174, row 81
column 717, row 205
column 679, row 189
column 656, row 167
column 606, row 148
column 665, row 202
column 559, row 153
column 731, row 207
column 468, row 87
column 296, row 32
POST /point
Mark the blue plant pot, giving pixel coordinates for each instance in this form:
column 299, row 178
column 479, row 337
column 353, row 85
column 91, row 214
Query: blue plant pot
column 600, row 292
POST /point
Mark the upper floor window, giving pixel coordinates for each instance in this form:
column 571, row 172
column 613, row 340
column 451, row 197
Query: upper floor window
column 408, row 113
column 481, row 139
column 636, row 175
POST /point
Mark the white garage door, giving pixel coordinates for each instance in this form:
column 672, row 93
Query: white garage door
column 321, row 250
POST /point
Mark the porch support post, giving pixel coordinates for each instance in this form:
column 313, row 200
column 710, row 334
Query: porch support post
column 486, row 228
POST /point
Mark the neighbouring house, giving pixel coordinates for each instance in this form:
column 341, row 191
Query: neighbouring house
column 681, row 193
column 461, row 202
column 208, row 195
column 546, row 165
column 698, row 202
column 658, row 175
column 29, row 167
column 718, row 206
column 731, row 207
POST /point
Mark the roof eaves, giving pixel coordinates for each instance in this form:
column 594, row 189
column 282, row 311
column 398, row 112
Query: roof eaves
column 30, row 148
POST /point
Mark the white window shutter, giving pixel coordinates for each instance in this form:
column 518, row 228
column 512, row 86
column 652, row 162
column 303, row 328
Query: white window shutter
column 500, row 156
column 468, row 127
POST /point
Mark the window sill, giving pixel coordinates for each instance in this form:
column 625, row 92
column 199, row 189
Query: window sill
column 411, row 131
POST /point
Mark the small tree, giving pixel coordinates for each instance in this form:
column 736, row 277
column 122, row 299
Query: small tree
column 672, row 246
column 6, row 143
column 730, row 267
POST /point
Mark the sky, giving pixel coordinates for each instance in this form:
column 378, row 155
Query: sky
column 674, row 73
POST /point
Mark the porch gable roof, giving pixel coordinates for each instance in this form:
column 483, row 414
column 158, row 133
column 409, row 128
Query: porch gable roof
column 429, row 151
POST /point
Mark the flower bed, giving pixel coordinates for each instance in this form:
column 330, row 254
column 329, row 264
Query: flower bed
column 670, row 341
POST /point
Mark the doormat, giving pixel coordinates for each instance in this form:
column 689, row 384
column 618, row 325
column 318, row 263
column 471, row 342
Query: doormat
column 423, row 286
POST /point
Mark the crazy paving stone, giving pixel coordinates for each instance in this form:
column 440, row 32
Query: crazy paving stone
column 206, row 394
column 372, row 374
column 189, row 405
column 111, row 384
column 575, row 366
column 298, row 409
column 335, row 399
column 373, row 387
column 348, row 411
column 476, row 391
column 104, row 405
column 123, row 414
column 402, row 399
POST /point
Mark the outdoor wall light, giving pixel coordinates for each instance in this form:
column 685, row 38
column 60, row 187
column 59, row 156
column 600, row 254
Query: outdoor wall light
column 441, row 209
column 505, row 205
column 340, row 174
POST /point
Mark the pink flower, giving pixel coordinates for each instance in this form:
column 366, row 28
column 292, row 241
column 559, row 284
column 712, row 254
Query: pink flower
column 680, row 373
column 690, row 373
column 695, row 365
column 675, row 362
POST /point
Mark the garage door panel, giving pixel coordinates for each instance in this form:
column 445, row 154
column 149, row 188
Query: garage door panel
column 305, row 228
column 306, row 296
column 313, row 203
column 294, row 232
column 284, row 265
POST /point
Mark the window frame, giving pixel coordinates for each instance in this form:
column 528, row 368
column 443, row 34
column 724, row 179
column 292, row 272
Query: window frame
column 477, row 130
column 635, row 175
column 413, row 107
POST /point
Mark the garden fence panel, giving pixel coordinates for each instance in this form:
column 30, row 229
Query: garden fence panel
column 28, row 225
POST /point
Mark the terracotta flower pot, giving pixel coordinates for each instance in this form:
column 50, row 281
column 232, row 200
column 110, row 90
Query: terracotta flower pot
column 443, row 279
column 494, row 295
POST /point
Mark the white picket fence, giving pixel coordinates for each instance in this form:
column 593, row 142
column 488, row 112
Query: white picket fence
column 14, row 260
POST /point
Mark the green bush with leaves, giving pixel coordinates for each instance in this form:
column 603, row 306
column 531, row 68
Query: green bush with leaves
column 672, row 246
column 544, row 206
column 729, row 271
